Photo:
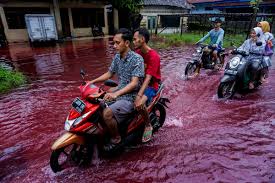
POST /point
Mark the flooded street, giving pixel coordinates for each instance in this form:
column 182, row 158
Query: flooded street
column 204, row 139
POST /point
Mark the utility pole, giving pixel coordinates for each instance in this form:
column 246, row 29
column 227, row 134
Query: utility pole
column 255, row 5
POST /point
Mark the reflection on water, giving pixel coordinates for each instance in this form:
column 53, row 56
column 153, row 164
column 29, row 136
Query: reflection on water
column 204, row 139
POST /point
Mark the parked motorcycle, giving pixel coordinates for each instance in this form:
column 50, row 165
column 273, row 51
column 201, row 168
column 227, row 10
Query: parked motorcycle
column 97, row 31
column 237, row 76
column 85, row 128
column 203, row 59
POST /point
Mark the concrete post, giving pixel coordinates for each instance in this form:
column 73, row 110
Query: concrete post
column 116, row 20
column 57, row 17
column 4, row 22
column 71, row 21
column 106, row 21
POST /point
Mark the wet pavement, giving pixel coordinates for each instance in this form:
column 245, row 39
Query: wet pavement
column 203, row 140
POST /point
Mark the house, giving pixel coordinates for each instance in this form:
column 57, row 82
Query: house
column 230, row 6
column 164, row 14
column 73, row 18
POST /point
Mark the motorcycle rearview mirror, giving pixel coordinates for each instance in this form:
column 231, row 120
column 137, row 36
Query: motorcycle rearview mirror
column 110, row 83
column 259, row 43
column 82, row 73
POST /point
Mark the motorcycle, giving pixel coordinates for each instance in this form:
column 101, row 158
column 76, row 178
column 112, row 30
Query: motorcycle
column 97, row 31
column 85, row 128
column 203, row 59
column 237, row 76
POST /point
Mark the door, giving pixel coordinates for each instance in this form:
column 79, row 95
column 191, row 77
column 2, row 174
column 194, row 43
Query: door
column 49, row 27
column 35, row 28
column 65, row 22
column 151, row 22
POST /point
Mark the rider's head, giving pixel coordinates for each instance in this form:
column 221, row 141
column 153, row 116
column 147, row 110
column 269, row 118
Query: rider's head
column 141, row 37
column 256, row 33
column 122, row 40
column 264, row 25
column 217, row 23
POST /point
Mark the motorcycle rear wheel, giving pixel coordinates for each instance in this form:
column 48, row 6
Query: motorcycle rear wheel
column 190, row 69
column 71, row 154
column 159, row 112
column 227, row 90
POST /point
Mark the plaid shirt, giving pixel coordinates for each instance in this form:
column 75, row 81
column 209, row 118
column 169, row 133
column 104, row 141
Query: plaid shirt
column 131, row 66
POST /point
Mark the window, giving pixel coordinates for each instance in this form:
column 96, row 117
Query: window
column 152, row 22
column 86, row 17
column 170, row 21
column 16, row 16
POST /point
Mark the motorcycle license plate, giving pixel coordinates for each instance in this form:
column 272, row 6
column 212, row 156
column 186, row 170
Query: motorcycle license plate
column 78, row 105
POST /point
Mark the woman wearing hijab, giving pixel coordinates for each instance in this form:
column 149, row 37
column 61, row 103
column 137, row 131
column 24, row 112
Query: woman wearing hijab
column 270, row 47
column 255, row 52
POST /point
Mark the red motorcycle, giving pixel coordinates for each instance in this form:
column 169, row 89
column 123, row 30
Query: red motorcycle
column 85, row 128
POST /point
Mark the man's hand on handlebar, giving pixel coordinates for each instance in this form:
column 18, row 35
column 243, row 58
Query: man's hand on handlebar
column 110, row 96
column 214, row 45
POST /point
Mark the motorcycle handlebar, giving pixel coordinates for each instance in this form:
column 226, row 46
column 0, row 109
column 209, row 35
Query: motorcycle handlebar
column 243, row 53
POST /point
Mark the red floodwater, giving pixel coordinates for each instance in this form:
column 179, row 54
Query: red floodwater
column 203, row 140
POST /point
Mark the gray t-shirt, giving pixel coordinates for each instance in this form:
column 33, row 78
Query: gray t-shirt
column 131, row 66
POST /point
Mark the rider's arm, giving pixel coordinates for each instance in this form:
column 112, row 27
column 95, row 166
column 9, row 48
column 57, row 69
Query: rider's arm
column 245, row 46
column 103, row 77
column 205, row 37
column 128, row 88
column 144, row 85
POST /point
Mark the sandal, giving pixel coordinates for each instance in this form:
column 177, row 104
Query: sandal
column 147, row 134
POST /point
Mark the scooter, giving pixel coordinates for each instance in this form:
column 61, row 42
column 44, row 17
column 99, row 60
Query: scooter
column 97, row 31
column 85, row 129
column 202, row 58
column 237, row 76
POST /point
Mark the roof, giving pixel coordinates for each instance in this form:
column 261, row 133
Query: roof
column 202, row 1
column 175, row 3
column 265, row 2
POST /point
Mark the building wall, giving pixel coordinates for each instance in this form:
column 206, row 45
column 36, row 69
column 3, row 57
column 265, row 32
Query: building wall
column 18, row 35
column 200, row 9
column 155, row 11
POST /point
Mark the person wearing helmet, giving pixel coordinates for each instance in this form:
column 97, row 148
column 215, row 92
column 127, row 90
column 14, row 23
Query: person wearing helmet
column 255, row 52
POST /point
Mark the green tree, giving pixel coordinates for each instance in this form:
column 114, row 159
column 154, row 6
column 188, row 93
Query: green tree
column 128, row 12
column 133, row 6
column 255, row 5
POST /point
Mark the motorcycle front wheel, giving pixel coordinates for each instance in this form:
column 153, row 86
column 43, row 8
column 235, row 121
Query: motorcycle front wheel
column 72, row 154
column 190, row 69
column 227, row 90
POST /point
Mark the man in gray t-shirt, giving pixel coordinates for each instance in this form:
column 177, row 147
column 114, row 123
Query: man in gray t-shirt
column 129, row 67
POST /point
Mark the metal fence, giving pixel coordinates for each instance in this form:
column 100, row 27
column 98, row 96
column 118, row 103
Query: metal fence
column 233, row 23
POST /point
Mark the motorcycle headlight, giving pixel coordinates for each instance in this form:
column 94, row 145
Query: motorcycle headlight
column 67, row 126
column 234, row 62
column 78, row 120
column 73, row 123
column 198, row 50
